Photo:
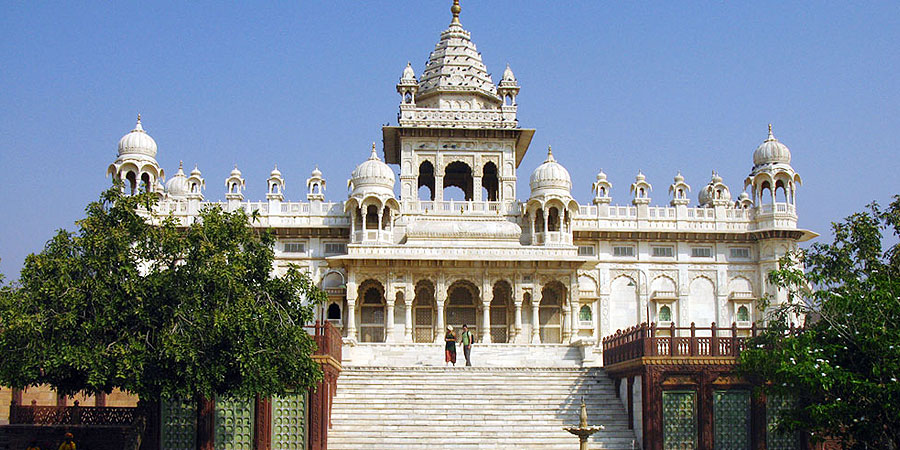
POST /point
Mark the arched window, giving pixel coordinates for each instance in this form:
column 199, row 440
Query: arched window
column 371, row 217
column 584, row 314
column 426, row 179
column 459, row 174
column 334, row 312
column 743, row 314
column 539, row 221
column 553, row 219
column 407, row 98
column 145, row 182
column 132, row 182
column 490, row 182
column 665, row 313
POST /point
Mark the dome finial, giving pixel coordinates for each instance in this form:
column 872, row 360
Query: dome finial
column 180, row 164
column 455, row 9
column 374, row 154
column 771, row 136
column 139, row 118
column 550, row 153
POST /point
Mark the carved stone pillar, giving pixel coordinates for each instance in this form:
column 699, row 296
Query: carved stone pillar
column 438, row 187
column 351, row 318
column 518, row 321
column 535, row 322
column 439, row 299
column 408, row 326
column 565, row 328
column 389, row 332
column 486, row 322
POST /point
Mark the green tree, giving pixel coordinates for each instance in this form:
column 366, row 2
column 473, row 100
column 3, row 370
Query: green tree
column 158, row 309
column 842, row 367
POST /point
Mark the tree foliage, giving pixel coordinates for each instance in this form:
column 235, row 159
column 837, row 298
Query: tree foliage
column 842, row 367
column 158, row 309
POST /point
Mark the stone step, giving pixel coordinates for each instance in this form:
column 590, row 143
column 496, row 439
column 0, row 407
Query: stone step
column 420, row 407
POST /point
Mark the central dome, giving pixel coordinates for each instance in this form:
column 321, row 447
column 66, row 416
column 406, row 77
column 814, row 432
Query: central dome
column 550, row 176
column 137, row 142
column 771, row 151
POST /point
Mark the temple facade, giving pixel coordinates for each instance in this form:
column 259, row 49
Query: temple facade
column 400, row 262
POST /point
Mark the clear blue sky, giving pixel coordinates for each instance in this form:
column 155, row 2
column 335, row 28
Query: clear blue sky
column 621, row 86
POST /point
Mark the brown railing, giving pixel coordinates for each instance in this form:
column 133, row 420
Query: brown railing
column 71, row 415
column 649, row 340
column 328, row 339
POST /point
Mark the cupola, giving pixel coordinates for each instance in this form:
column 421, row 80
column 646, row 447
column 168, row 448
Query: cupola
column 137, row 142
column 550, row 178
column 315, row 186
column 196, row 184
column 373, row 176
column 235, row 185
column 177, row 186
column 715, row 193
column 771, row 151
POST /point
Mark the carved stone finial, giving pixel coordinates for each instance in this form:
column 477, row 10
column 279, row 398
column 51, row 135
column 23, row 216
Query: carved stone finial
column 771, row 135
column 139, row 118
column 455, row 9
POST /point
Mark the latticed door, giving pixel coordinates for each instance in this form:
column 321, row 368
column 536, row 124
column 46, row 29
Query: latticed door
column 731, row 409
column 234, row 424
column 179, row 424
column 462, row 315
column 679, row 420
column 371, row 327
column 551, row 321
column 289, row 422
column 499, row 325
column 424, row 320
column 775, row 404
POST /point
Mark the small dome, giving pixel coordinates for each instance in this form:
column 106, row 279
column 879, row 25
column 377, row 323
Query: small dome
column 771, row 151
column 275, row 172
column 196, row 172
column 178, row 186
column 679, row 178
column 316, row 173
column 551, row 176
column 744, row 196
column 408, row 73
column 373, row 176
column 715, row 192
column 601, row 176
column 137, row 142
column 235, row 172
column 508, row 74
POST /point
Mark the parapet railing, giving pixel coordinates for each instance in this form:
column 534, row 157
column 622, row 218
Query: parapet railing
column 72, row 415
column 650, row 340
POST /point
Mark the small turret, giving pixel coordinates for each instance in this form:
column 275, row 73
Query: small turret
column 640, row 189
column 679, row 190
column 275, row 190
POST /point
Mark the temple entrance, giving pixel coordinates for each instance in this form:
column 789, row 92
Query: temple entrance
column 500, row 308
column 371, row 323
column 423, row 312
column 461, row 309
column 551, row 313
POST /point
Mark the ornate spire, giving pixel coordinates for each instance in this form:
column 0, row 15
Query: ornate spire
column 137, row 126
column 374, row 154
column 771, row 136
column 550, row 153
column 455, row 9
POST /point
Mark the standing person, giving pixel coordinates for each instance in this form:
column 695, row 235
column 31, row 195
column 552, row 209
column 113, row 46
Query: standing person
column 467, row 340
column 68, row 443
column 450, row 346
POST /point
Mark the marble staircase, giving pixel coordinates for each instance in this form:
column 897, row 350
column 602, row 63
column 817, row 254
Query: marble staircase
column 483, row 355
column 460, row 408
